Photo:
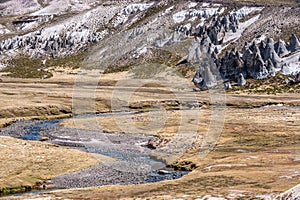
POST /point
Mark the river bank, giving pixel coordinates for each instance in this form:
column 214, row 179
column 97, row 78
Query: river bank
column 128, row 160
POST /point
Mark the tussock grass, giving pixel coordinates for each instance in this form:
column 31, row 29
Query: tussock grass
column 26, row 67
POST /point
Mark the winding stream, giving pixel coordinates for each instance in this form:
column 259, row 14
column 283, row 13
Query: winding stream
column 134, row 163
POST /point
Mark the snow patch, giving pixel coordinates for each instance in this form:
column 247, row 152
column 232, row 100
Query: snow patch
column 293, row 193
column 167, row 11
column 209, row 197
column 194, row 14
column 205, row 5
column 180, row 16
column 291, row 64
column 3, row 30
column 130, row 9
column 192, row 4
column 133, row 8
column 244, row 11
column 30, row 25
column 225, row 165
column 61, row 6
column 235, row 36
column 261, row 38
column 19, row 7
column 142, row 50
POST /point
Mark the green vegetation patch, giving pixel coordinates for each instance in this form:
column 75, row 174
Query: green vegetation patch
column 271, row 85
column 183, row 166
column 158, row 56
column 14, row 190
column 26, row 67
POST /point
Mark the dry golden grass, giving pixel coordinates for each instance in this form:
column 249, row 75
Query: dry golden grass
column 258, row 151
column 23, row 163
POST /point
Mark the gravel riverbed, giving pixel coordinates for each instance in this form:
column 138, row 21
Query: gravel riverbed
column 133, row 163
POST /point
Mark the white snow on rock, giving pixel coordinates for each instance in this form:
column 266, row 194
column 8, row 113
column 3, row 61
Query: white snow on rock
column 193, row 4
column 130, row 9
column 137, row 7
column 194, row 14
column 205, row 5
column 3, row 30
column 61, row 6
column 244, row 11
column 261, row 38
column 30, row 25
column 180, row 16
column 19, row 7
column 242, row 26
column 291, row 64
column 291, row 194
column 167, row 11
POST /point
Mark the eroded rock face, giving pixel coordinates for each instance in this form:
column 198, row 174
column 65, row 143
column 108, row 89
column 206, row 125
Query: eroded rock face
column 220, row 25
column 281, row 48
column 256, row 61
column 207, row 75
column 297, row 78
column 231, row 65
column 269, row 53
column 254, row 64
column 194, row 51
column 294, row 43
column 36, row 44
column 270, row 68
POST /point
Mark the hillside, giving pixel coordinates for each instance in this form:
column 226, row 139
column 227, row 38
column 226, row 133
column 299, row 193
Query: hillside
column 192, row 99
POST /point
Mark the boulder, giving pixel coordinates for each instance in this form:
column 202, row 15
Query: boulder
column 227, row 86
column 241, row 80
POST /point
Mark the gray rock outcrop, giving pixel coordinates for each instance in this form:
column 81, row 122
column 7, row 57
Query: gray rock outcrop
column 269, row 53
column 297, row 77
column 241, row 80
column 294, row 43
column 281, row 48
column 207, row 75
column 38, row 44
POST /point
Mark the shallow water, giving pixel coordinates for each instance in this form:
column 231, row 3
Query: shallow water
column 33, row 130
column 134, row 163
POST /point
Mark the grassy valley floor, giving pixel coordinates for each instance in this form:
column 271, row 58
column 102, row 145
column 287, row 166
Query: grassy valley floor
column 256, row 154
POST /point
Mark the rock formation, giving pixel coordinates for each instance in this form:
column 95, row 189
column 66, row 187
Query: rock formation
column 281, row 48
column 207, row 75
column 294, row 43
column 241, row 80
column 37, row 44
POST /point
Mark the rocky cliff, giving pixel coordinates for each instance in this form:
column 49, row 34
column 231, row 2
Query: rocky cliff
column 125, row 33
